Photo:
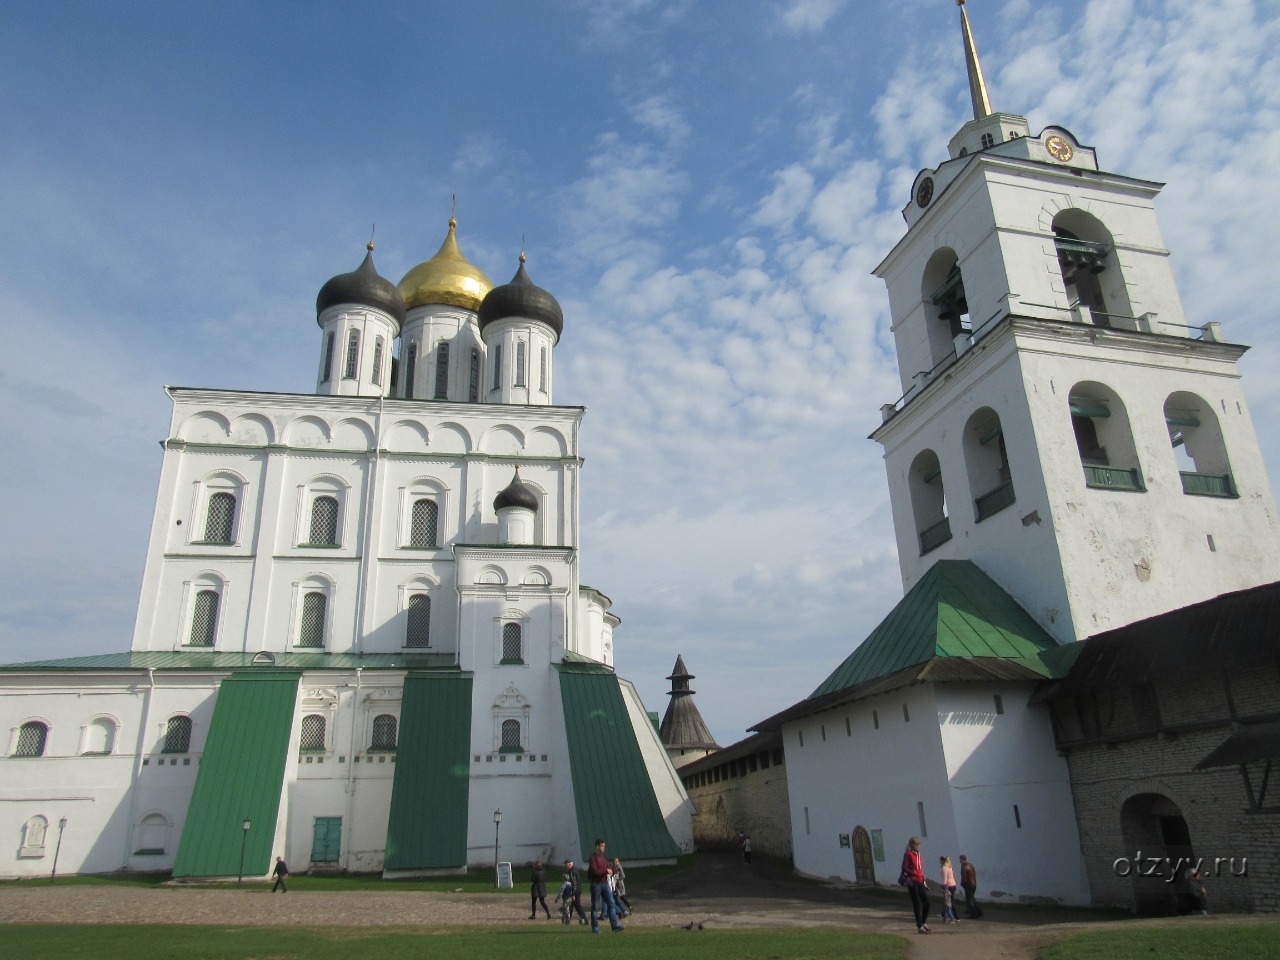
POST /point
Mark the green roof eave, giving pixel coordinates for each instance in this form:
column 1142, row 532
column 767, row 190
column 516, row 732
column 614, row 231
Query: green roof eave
column 220, row 660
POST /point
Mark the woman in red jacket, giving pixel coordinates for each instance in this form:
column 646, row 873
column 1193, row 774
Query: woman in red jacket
column 913, row 880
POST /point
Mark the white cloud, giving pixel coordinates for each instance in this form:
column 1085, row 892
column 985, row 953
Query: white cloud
column 808, row 16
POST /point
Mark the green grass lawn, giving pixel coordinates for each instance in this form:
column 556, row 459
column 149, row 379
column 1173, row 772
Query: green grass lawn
column 1188, row 939
column 127, row 942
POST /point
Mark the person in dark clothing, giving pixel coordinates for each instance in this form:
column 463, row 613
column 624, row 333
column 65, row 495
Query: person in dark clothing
column 575, row 901
column 602, row 902
column 913, row 880
column 969, row 883
column 281, row 872
column 538, row 890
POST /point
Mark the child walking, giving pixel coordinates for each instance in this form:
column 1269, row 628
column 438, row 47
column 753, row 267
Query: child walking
column 948, row 891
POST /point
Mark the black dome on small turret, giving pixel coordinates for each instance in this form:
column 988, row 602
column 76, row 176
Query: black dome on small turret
column 516, row 494
column 522, row 298
column 363, row 286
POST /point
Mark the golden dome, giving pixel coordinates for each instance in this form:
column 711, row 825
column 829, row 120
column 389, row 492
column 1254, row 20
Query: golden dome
column 448, row 278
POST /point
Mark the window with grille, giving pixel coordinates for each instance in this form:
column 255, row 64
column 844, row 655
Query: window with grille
column 511, row 646
column 442, row 371
column 542, row 374
column 311, row 629
column 473, row 389
column 324, row 522
column 204, row 619
column 31, row 739
column 422, row 526
column 177, row 735
column 220, row 519
column 353, row 355
column 988, row 140
column 497, row 367
column 510, row 736
column 520, row 355
column 384, row 732
column 418, row 631
column 376, row 377
column 312, row 732
column 326, row 369
column 410, row 368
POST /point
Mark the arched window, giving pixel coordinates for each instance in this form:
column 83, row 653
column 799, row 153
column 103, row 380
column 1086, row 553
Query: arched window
column 946, row 305
column 422, row 525
column 542, row 373
column 511, row 737
column 497, row 367
column 442, row 371
column 204, row 619
column 928, row 501
column 376, row 376
column 1091, row 276
column 324, row 522
column 418, row 627
column 1103, row 438
column 153, row 835
column 518, row 381
column 312, row 733
column 1198, row 447
column 312, row 623
column 31, row 739
column 353, row 355
column 512, row 643
column 384, row 732
column 326, row 365
column 989, row 478
column 220, row 520
column 410, row 369
column 177, row 735
column 473, row 388
column 99, row 737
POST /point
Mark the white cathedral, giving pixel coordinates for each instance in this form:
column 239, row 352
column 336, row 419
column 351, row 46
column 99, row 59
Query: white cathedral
column 362, row 642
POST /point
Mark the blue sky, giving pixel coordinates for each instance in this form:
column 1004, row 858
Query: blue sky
column 704, row 186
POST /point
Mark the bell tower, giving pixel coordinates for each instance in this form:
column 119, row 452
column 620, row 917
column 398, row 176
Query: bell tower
column 1063, row 423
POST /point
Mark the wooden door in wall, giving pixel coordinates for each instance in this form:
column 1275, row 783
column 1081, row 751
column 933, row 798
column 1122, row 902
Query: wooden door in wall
column 864, row 870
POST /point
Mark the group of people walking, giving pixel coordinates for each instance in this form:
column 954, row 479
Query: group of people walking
column 608, row 891
column 912, row 877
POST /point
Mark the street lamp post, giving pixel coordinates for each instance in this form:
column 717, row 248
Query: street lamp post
column 497, row 824
column 62, row 825
column 245, row 824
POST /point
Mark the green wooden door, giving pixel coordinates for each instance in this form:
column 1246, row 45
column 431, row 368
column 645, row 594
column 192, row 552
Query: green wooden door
column 326, row 840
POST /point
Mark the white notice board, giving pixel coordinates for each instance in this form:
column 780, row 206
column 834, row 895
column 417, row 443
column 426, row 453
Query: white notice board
column 504, row 875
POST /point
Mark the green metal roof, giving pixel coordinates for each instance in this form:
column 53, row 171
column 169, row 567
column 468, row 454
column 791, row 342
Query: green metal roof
column 955, row 610
column 428, row 823
column 218, row 660
column 241, row 776
column 613, row 796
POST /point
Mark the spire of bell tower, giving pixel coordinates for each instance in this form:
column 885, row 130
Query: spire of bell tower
column 977, row 83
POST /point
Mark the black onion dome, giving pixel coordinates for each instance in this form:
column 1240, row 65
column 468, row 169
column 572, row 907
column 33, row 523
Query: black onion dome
column 516, row 494
column 522, row 298
column 364, row 286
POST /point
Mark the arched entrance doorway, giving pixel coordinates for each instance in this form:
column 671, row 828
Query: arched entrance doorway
column 864, row 870
column 1155, row 829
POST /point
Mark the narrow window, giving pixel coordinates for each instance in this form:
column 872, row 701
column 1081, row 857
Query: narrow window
column 511, row 643
column 326, row 368
column 800, row 733
column 473, row 387
column 177, row 735
column 220, row 519
column 924, row 832
column 875, row 719
column 410, row 368
column 442, row 371
column 764, row 760
column 31, row 739
column 822, row 728
column 376, row 377
column 497, row 367
column 848, row 729
column 418, row 630
column 906, row 715
column 324, row 522
column 510, row 736
column 542, row 374
column 312, row 732
column 806, row 821
column 311, row 628
column 384, row 732
column 353, row 355
column 520, row 356
column 999, row 704
column 1017, row 817
column 204, row 619
column 422, row 523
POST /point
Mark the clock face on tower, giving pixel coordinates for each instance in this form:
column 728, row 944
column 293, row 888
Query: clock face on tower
column 924, row 192
column 1058, row 148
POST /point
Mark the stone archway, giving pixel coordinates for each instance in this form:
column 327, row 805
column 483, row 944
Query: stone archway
column 864, row 869
column 1154, row 829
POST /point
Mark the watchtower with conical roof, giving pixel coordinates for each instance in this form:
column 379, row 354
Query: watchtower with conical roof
column 683, row 731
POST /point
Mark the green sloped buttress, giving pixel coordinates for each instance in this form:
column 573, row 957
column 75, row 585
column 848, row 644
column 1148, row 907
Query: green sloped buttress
column 612, row 792
column 427, row 828
column 241, row 777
